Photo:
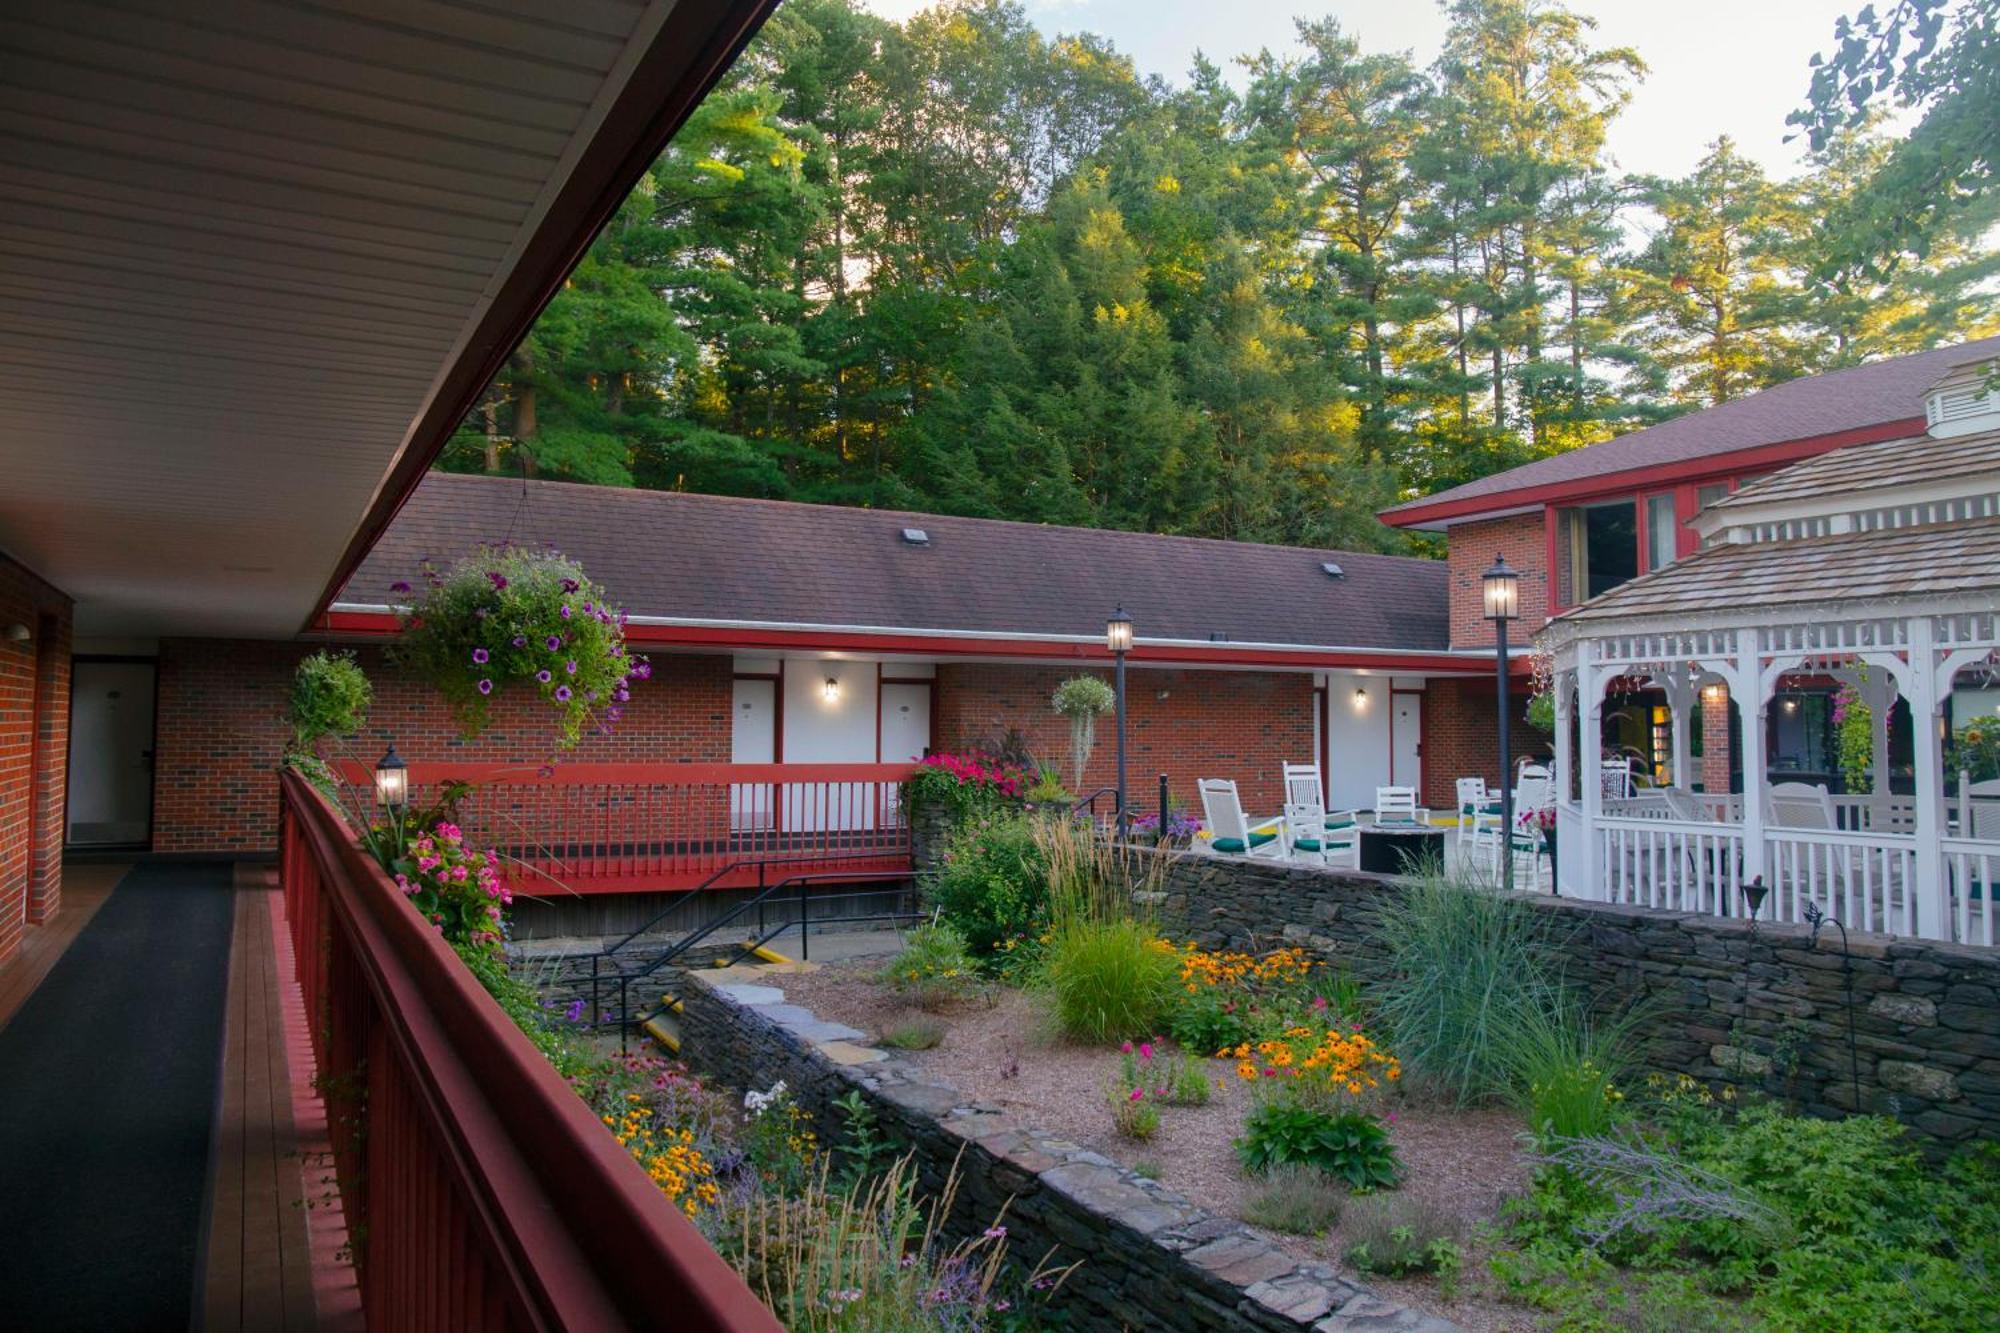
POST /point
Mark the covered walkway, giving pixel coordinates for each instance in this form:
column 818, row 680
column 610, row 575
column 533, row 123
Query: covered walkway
column 151, row 1175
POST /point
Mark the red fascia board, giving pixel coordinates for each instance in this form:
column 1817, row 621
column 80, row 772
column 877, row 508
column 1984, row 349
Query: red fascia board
column 1656, row 476
column 377, row 624
column 697, row 43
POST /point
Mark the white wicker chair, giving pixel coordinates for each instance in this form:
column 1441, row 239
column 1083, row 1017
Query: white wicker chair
column 1302, row 787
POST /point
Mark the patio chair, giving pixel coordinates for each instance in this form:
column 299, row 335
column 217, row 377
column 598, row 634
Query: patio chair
column 1307, row 831
column 1473, row 800
column 1302, row 787
column 1398, row 805
column 1803, row 805
column 1982, row 805
column 1235, row 834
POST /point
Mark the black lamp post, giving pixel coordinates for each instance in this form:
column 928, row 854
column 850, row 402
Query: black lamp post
column 1502, row 587
column 1118, row 638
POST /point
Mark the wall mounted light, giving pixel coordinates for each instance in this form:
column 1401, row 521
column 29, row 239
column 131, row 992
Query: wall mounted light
column 1791, row 705
column 1713, row 695
column 1360, row 696
column 831, row 690
column 18, row 633
column 392, row 781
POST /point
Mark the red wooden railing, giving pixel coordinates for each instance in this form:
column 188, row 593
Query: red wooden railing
column 481, row 1191
column 621, row 828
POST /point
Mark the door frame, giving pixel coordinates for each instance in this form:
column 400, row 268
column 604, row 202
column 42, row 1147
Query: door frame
column 1418, row 695
column 152, row 751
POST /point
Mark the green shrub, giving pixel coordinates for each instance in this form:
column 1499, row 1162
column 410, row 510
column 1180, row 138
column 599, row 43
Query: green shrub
column 934, row 967
column 330, row 697
column 992, row 886
column 1108, row 980
column 1186, row 1081
column 1397, row 1235
column 1463, row 964
column 1351, row 1145
column 1561, row 1069
column 918, row 1034
column 1294, row 1199
column 1210, row 1020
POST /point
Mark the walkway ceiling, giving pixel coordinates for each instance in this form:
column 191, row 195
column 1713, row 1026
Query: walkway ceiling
column 257, row 260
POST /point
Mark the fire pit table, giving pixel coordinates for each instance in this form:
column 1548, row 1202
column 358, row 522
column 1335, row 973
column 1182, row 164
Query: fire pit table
column 1401, row 849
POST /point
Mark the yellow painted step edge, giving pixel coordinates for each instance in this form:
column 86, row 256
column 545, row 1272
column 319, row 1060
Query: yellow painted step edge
column 660, row 1033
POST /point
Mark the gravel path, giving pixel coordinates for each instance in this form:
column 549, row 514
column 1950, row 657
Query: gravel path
column 999, row 1050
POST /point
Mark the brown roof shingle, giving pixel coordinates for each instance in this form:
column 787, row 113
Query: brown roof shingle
column 1948, row 559
column 708, row 557
column 1871, row 395
column 1860, row 468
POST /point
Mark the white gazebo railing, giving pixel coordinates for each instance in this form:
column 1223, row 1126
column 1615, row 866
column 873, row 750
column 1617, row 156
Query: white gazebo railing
column 1878, row 861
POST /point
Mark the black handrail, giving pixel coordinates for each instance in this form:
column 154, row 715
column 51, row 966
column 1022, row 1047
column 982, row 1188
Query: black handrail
column 686, row 896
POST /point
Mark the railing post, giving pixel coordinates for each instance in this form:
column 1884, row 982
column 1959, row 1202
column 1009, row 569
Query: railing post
column 805, row 925
column 1163, row 808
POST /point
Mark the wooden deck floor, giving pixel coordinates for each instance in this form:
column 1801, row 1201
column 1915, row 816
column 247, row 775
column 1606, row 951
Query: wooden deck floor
column 275, row 1233
column 84, row 889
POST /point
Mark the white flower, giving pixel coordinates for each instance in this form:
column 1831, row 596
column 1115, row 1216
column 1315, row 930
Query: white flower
column 756, row 1103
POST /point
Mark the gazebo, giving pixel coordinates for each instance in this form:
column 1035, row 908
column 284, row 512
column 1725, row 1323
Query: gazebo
column 1874, row 569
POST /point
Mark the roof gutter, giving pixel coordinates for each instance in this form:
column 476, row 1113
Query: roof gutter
column 1441, row 511
column 380, row 619
column 695, row 42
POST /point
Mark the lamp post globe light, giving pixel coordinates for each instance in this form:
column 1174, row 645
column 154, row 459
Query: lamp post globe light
column 1118, row 638
column 1501, row 588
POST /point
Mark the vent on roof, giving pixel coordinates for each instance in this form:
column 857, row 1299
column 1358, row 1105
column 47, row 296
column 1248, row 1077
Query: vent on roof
column 1332, row 570
column 916, row 537
column 1217, row 636
column 1962, row 409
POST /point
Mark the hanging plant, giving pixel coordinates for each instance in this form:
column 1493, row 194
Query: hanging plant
column 1081, row 699
column 330, row 697
column 1854, row 738
column 508, row 619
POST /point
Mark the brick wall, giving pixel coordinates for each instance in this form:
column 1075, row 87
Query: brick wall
column 34, row 708
column 1524, row 541
column 222, row 729
column 1211, row 724
column 1715, row 750
column 1462, row 734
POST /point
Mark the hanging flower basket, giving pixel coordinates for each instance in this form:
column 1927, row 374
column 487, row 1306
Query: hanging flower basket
column 508, row 619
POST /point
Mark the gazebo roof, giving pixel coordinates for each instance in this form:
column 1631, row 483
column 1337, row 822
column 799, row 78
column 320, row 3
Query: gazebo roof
column 1941, row 561
column 1884, row 465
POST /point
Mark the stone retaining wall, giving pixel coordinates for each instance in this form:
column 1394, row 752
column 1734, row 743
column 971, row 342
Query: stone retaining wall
column 1150, row 1259
column 1763, row 1008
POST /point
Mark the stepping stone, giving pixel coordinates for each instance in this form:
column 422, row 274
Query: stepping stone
column 847, row 1053
column 752, row 995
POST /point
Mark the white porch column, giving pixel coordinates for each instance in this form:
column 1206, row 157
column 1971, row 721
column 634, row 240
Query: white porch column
column 1680, row 691
column 1590, row 732
column 1881, row 697
column 1746, row 687
column 1926, row 711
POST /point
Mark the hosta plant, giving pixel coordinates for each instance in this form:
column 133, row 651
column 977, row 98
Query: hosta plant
column 1351, row 1146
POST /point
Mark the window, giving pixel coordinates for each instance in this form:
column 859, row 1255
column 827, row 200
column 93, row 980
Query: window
column 1707, row 496
column 1597, row 548
column 1800, row 737
column 1662, row 531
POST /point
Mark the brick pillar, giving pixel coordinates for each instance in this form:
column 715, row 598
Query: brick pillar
column 1715, row 739
column 51, row 766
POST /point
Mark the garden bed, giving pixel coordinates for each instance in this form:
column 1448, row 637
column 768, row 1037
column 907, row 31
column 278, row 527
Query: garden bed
column 1461, row 1162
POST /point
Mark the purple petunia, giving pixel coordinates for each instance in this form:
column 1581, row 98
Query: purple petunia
column 554, row 641
column 562, row 694
column 618, row 650
column 486, row 687
column 399, row 586
column 642, row 670
column 544, row 676
column 480, row 656
column 520, row 641
column 497, row 579
column 566, row 612
column 570, row 585
column 570, row 666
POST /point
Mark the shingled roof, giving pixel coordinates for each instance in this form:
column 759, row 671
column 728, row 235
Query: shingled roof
column 719, row 559
column 1879, row 394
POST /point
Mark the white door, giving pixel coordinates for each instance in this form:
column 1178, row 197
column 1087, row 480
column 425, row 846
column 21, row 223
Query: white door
column 906, row 722
column 110, row 753
column 753, row 739
column 1406, row 739
column 906, row 727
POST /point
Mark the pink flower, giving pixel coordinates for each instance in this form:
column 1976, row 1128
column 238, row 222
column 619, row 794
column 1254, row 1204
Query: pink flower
column 1137, row 1093
column 497, row 579
column 1126, row 1049
column 1146, row 1050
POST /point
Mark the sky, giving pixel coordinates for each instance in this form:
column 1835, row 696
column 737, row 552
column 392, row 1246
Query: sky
column 1734, row 67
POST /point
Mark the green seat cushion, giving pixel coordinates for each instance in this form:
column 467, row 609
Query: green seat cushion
column 1306, row 844
column 1236, row 844
column 1339, row 824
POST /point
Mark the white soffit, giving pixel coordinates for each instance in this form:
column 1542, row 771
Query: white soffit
column 241, row 244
